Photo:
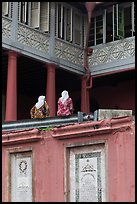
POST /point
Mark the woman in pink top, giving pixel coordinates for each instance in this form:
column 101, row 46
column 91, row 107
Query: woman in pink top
column 65, row 105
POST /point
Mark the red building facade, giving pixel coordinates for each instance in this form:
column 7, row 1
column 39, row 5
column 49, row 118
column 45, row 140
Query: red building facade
column 85, row 48
column 59, row 164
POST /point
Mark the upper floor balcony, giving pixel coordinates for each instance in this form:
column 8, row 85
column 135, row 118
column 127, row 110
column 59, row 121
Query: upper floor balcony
column 61, row 40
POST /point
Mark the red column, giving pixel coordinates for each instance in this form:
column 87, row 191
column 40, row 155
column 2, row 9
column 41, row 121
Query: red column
column 85, row 96
column 50, row 91
column 11, row 96
column 86, row 81
column 90, row 6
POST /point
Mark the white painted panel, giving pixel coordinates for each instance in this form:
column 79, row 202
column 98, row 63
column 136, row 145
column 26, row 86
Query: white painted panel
column 87, row 174
column 21, row 177
column 35, row 14
column 5, row 8
column 25, row 5
column 61, row 27
column 19, row 11
column 44, row 16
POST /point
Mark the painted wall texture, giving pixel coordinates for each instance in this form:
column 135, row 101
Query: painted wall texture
column 94, row 159
column 121, row 95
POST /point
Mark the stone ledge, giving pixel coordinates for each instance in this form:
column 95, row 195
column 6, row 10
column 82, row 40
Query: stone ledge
column 93, row 128
column 14, row 137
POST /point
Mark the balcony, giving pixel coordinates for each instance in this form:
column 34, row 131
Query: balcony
column 106, row 58
column 36, row 44
column 113, row 57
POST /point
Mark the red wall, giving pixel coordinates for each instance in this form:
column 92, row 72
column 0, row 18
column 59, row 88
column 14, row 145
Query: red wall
column 121, row 96
column 48, row 157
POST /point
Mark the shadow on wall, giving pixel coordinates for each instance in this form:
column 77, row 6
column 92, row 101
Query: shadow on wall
column 94, row 105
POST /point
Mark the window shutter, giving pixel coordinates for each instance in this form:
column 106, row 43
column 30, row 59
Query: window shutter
column 44, row 16
column 120, row 21
column 35, row 14
column 11, row 9
column 133, row 17
column 69, row 25
column 5, row 8
column 77, row 29
column 19, row 11
column 24, row 12
column 56, row 17
column 61, row 21
column 61, row 26
column 29, row 14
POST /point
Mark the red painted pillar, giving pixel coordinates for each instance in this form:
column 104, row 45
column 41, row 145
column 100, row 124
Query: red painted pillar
column 90, row 6
column 50, row 92
column 85, row 96
column 11, row 96
column 87, row 81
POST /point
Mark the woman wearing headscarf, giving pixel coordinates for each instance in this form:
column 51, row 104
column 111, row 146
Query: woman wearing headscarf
column 40, row 109
column 65, row 105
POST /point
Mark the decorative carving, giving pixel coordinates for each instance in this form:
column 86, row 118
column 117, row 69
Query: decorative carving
column 69, row 52
column 21, row 177
column 6, row 27
column 23, row 166
column 88, row 168
column 33, row 38
column 112, row 52
column 88, row 177
column 102, row 54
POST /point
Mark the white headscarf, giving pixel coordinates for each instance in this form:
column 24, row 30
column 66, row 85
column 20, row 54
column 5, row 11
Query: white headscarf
column 40, row 102
column 64, row 97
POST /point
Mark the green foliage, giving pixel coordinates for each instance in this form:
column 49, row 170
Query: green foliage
column 46, row 128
